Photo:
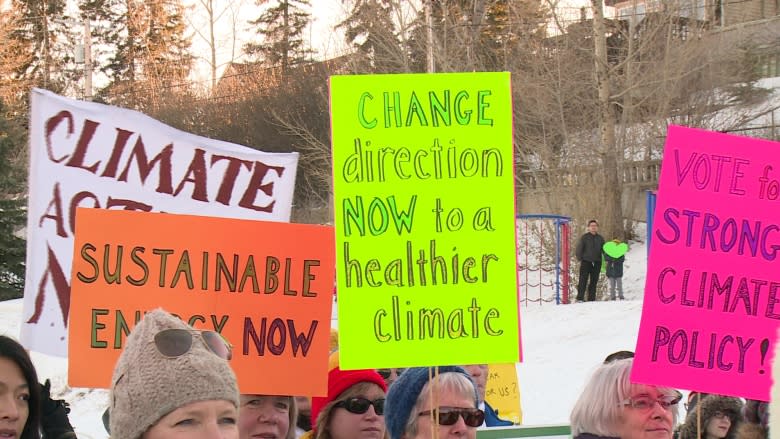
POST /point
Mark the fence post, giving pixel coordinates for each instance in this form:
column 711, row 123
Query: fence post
column 650, row 212
column 565, row 259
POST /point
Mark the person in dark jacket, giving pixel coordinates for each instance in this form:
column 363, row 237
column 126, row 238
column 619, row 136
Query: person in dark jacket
column 615, row 274
column 588, row 252
column 720, row 418
column 479, row 373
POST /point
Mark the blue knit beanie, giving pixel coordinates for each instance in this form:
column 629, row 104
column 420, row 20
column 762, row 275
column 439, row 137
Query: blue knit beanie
column 403, row 395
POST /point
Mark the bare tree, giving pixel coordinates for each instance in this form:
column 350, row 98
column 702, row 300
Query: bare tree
column 587, row 100
column 613, row 190
column 601, row 94
column 218, row 13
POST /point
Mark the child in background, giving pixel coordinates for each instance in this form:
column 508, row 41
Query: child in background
column 615, row 273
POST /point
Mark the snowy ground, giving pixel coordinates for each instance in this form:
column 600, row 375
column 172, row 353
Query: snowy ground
column 562, row 344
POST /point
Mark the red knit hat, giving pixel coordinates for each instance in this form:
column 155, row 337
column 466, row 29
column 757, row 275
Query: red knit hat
column 339, row 381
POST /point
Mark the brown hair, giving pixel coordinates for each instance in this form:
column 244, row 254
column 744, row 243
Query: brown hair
column 292, row 412
column 323, row 419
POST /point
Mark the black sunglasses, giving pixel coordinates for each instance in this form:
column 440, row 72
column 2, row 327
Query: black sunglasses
column 450, row 415
column 358, row 405
column 385, row 373
column 176, row 342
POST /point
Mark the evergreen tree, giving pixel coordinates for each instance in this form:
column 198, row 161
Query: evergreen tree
column 141, row 46
column 281, row 26
column 166, row 58
column 370, row 30
column 13, row 206
column 114, row 38
column 45, row 32
column 477, row 35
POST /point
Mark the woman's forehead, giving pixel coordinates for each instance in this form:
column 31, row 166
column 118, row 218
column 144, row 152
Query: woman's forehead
column 371, row 390
column 448, row 397
column 643, row 389
column 247, row 397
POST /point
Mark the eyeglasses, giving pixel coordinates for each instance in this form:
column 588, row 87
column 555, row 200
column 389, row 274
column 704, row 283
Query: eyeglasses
column 646, row 402
column 720, row 415
column 385, row 373
column 358, row 405
column 176, row 342
column 450, row 415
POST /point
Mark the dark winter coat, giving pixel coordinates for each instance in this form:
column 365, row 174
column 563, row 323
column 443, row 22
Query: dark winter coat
column 614, row 265
column 708, row 406
column 589, row 247
column 749, row 430
column 756, row 412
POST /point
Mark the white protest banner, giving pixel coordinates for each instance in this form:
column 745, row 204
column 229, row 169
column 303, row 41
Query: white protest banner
column 84, row 154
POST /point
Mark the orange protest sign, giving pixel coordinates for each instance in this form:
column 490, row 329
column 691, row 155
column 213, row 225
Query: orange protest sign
column 265, row 286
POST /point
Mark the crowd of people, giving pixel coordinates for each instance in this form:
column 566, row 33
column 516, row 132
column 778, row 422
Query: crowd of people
column 173, row 381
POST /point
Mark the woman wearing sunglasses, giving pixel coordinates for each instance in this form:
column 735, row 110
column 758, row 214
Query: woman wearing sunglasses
column 720, row 418
column 611, row 406
column 444, row 406
column 267, row 417
column 173, row 381
column 353, row 409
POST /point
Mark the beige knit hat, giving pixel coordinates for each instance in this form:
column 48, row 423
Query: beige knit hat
column 147, row 385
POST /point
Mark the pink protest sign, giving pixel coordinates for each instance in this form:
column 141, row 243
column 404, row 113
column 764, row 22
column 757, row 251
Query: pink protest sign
column 712, row 295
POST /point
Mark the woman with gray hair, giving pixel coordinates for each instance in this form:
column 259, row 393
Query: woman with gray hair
column 443, row 407
column 611, row 406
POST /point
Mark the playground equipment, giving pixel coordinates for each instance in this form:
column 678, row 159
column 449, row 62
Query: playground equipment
column 651, row 198
column 531, row 258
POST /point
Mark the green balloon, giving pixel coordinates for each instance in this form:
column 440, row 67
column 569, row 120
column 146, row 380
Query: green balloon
column 615, row 249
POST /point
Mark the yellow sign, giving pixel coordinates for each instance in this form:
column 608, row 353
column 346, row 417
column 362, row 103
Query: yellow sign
column 502, row 392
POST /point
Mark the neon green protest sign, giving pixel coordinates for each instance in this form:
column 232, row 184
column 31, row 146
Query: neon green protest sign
column 423, row 173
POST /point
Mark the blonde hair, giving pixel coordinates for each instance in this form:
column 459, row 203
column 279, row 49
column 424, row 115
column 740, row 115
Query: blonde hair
column 598, row 410
column 323, row 419
column 292, row 413
column 293, row 417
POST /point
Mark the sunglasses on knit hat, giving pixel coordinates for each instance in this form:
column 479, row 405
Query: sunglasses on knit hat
column 358, row 405
column 176, row 342
column 450, row 415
